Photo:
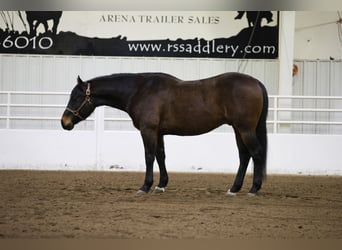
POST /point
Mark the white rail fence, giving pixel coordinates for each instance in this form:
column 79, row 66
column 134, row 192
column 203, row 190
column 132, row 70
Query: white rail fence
column 287, row 114
column 322, row 113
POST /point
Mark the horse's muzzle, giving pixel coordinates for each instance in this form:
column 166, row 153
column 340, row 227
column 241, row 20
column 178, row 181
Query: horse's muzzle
column 67, row 123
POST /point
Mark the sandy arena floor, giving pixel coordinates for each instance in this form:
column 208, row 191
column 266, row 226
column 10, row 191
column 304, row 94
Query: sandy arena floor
column 56, row 204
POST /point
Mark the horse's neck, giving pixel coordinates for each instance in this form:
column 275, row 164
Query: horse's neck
column 115, row 93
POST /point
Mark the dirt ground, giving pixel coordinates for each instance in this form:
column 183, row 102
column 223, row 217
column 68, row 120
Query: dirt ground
column 58, row 204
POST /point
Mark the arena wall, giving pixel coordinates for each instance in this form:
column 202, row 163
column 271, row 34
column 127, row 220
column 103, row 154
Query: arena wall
column 123, row 151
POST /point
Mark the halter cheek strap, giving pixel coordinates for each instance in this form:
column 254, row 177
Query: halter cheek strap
column 87, row 100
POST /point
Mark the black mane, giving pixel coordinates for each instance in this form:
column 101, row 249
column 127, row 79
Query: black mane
column 117, row 76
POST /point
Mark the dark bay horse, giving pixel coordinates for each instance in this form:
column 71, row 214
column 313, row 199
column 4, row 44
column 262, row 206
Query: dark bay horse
column 160, row 104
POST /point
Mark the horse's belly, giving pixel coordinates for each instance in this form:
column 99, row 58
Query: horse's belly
column 190, row 125
column 193, row 111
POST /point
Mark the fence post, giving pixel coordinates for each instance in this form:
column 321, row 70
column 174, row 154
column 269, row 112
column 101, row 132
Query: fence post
column 275, row 114
column 99, row 133
column 8, row 111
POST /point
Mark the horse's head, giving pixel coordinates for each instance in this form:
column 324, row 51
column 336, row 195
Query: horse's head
column 80, row 105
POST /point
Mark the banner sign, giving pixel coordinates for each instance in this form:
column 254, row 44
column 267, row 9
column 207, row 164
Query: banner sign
column 216, row 34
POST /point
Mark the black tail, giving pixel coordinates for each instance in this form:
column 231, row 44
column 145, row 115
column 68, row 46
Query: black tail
column 261, row 130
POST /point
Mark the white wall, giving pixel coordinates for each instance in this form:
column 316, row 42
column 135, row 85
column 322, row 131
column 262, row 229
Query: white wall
column 212, row 152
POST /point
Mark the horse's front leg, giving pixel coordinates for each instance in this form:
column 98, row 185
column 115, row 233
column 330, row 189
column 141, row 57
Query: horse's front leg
column 150, row 138
column 160, row 154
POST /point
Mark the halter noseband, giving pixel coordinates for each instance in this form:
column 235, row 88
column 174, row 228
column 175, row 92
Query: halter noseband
column 87, row 100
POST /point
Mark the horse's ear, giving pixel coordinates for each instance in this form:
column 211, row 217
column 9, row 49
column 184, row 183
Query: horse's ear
column 79, row 80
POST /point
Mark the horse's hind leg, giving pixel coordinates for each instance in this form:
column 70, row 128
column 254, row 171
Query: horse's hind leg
column 244, row 156
column 256, row 151
column 160, row 155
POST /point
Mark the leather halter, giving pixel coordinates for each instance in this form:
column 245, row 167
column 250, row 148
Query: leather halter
column 87, row 100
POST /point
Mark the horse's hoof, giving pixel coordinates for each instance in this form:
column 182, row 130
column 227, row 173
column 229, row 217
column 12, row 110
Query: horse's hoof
column 229, row 193
column 251, row 194
column 141, row 192
column 159, row 190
